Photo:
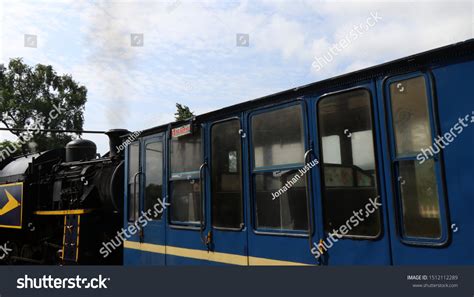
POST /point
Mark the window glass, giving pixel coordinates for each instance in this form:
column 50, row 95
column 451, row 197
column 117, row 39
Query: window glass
column 338, row 176
column 410, row 116
column 186, row 199
column 233, row 162
column 350, row 180
column 419, row 193
column 186, row 154
column 280, row 193
column 332, row 149
column 186, row 158
column 133, row 189
column 278, row 137
column 226, row 175
column 153, row 175
column 279, row 206
column 363, row 149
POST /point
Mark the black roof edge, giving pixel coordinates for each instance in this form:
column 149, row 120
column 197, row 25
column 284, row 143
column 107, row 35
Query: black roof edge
column 433, row 56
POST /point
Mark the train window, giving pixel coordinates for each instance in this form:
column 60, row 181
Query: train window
column 350, row 176
column 133, row 181
column 226, row 176
column 419, row 195
column 186, row 154
column 417, row 186
column 185, row 159
column 153, row 175
column 288, row 210
column 278, row 137
column 410, row 116
column 185, row 201
column 278, row 141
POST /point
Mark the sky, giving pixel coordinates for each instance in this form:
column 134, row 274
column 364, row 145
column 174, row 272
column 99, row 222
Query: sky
column 210, row 54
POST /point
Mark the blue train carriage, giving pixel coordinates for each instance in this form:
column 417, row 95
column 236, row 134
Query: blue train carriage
column 369, row 168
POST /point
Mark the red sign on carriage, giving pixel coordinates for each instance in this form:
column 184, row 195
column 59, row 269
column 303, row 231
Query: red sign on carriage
column 180, row 131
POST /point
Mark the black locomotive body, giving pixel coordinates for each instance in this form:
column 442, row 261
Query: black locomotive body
column 59, row 206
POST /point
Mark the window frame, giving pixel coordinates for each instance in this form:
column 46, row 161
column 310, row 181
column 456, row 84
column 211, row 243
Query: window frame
column 170, row 179
column 438, row 161
column 377, row 167
column 242, row 225
column 293, row 166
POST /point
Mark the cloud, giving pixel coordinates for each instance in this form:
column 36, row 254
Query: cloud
column 190, row 54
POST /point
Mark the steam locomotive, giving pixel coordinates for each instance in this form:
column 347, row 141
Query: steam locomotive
column 58, row 206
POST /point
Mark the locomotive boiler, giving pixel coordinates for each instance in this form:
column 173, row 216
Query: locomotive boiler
column 58, row 206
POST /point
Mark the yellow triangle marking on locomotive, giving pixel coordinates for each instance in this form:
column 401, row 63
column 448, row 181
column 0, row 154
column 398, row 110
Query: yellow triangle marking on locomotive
column 10, row 205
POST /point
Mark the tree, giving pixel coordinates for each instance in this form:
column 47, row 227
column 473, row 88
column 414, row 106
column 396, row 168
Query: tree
column 37, row 98
column 8, row 149
column 182, row 112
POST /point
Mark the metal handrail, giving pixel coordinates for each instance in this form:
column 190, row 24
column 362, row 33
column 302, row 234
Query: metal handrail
column 201, row 214
column 135, row 192
column 309, row 212
column 141, row 234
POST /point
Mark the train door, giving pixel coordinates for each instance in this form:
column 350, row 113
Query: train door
column 145, row 206
column 153, row 213
column 351, row 192
column 187, row 213
column 226, row 235
column 132, row 253
column 418, row 219
column 280, row 209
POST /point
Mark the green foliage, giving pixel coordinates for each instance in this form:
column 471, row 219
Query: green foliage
column 38, row 98
column 182, row 112
column 8, row 146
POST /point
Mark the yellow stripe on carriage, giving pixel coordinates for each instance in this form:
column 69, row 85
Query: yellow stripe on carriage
column 207, row 256
column 62, row 212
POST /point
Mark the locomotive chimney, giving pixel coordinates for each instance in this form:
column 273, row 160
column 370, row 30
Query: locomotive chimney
column 115, row 141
